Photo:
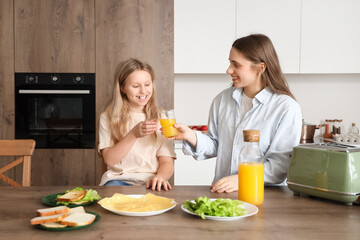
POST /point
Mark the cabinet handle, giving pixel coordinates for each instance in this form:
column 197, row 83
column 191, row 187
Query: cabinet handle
column 35, row 91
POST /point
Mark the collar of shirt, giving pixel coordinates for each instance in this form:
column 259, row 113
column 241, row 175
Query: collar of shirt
column 262, row 97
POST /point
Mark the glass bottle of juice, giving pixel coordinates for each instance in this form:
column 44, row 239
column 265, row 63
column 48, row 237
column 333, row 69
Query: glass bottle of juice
column 251, row 169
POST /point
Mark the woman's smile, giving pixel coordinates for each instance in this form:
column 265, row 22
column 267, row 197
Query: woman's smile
column 235, row 78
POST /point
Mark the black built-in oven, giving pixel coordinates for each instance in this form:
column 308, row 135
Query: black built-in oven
column 55, row 109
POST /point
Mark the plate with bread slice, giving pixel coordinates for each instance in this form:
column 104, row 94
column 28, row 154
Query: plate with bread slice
column 63, row 218
column 71, row 198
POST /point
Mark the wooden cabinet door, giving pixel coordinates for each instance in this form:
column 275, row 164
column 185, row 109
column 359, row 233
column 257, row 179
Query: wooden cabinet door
column 6, row 81
column 54, row 36
column 6, row 70
column 63, row 167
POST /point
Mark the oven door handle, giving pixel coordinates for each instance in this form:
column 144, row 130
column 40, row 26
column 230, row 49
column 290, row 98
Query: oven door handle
column 41, row 91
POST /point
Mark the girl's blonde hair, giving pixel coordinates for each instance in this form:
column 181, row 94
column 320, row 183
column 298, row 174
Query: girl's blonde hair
column 258, row 48
column 118, row 108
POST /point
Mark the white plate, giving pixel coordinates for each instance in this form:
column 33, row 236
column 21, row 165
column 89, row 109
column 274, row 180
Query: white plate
column 138, row 214
column 251, row 210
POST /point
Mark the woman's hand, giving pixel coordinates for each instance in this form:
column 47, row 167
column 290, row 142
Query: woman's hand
column 226, row 184
column 145, row 128
column 185, row 133
column 157, row 182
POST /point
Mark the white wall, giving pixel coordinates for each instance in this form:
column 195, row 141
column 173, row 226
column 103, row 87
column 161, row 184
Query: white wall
column 330, row 96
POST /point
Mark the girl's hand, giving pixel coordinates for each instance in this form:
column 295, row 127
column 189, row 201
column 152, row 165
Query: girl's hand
column 158, row 182
column 145, row 128
column 226, row 184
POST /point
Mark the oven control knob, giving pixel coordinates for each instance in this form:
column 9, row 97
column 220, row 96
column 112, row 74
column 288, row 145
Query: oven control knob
column 55, row 78
column 78, row 79
column 31, row 79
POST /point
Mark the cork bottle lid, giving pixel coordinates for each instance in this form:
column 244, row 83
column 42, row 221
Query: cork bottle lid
column 251, row 135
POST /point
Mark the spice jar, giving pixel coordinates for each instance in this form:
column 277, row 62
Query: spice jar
column 353, row 129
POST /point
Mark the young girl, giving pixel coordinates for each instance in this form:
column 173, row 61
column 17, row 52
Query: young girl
column 130, row 141
column 259, row 98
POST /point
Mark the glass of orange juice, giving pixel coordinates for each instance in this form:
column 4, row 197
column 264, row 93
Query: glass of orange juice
column 167, row 121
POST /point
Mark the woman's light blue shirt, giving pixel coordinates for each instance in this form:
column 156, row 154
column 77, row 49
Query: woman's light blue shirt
column 277, row 116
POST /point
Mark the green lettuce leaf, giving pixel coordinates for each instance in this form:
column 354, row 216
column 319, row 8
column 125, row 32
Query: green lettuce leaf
column 221, row 207
column 91, row 195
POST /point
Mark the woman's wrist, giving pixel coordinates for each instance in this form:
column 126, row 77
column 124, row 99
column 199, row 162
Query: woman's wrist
column 192, row 139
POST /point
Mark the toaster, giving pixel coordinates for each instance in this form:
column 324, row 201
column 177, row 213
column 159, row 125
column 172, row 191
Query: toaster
column 326, row 170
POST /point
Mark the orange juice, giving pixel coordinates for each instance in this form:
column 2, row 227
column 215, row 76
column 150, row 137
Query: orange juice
column 251, row 182
column 168, row 127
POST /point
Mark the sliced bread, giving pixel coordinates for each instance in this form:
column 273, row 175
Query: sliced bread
column 76, row 210
column 52, row 211
column 71, row 196
column 54, row 225
column 48, row 219
column 78, row 219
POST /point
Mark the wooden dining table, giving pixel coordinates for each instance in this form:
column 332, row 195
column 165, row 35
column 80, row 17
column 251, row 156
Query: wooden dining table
column 281, row 216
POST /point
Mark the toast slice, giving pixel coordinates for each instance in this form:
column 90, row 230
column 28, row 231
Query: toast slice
column 78, row 219
column 54, row 225
column 76, row 210
column 72, row 196
column 48, row 219
column 52, row 211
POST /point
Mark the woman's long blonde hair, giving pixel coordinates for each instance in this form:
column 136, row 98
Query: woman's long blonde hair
column 118, row 108
column 258, row 48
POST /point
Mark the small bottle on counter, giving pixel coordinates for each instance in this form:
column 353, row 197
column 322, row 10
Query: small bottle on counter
column 353, row 129
column 337, row 126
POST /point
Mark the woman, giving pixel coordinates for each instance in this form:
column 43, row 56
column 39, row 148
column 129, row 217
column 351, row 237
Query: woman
column 259, row 98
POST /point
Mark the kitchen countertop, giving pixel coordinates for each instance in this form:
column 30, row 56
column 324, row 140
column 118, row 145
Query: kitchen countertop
column 282, row 216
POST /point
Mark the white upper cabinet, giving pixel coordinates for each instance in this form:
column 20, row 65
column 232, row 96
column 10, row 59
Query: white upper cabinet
column 280, row 21
column 321, row 36
column 204, row 32
column 330, row 36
